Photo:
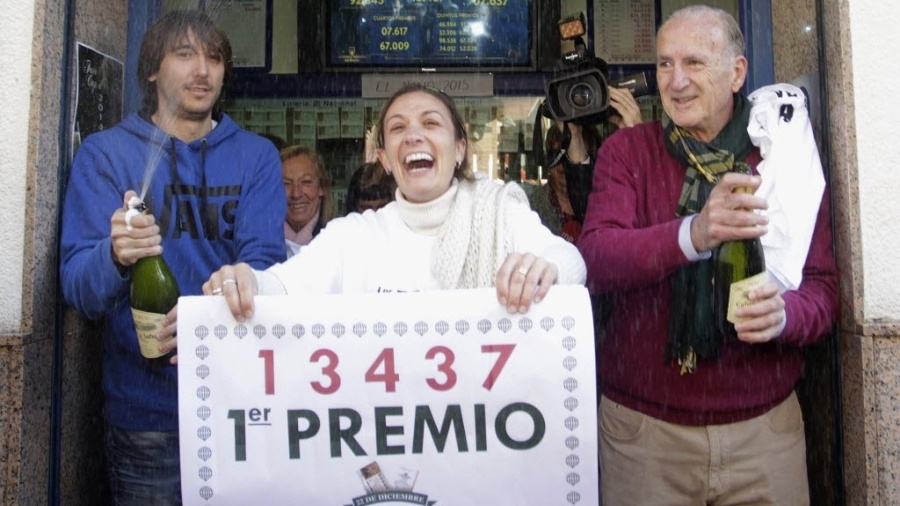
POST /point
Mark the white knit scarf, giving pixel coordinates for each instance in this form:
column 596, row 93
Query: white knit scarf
column 474, row 239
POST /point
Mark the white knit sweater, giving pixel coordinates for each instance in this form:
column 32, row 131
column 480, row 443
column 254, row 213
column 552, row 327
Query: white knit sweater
column 455, row 241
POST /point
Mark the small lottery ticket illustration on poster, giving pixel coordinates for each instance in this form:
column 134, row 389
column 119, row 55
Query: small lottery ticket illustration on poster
column 380, row 489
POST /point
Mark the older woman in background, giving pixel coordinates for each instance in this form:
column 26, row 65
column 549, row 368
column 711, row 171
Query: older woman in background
column 445, row 230
column 308, row 191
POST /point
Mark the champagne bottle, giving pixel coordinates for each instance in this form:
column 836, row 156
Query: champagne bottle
column 740, row 266
column 154, row 292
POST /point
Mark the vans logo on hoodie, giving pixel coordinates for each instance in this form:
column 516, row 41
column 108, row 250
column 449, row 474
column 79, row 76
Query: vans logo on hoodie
column 190, row 211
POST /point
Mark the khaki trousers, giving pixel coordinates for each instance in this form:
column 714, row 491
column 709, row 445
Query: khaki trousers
column 646, row 461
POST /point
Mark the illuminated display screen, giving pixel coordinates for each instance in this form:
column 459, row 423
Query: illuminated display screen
column 430, row 33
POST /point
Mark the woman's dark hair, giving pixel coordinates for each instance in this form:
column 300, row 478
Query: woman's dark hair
column 164, row 35
column 590, row 135
column 463, row 171
column 369, row 182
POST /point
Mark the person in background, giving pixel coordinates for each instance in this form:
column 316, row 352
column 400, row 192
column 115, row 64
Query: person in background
column 309, row 201
column 370, row 187
column 561, row 202
column 678, row 427
column 445, row 230
column 551, row 200
column 213, row 192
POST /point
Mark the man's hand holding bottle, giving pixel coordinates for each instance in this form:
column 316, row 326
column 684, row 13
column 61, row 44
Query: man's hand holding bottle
column 135, row 238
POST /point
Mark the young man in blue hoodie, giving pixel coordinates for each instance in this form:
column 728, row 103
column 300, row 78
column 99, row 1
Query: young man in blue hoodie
column 215, row 197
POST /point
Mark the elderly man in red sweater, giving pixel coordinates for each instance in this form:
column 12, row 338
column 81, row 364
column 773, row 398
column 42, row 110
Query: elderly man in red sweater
column 689, row 416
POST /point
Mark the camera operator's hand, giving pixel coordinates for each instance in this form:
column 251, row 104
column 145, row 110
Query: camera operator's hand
column 624, row 103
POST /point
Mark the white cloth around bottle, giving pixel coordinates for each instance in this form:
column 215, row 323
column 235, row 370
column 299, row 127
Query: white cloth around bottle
column 792, row 178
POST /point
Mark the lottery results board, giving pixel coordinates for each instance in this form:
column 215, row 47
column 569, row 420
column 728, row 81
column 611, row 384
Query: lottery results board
column 417, row 33
column 390, row 399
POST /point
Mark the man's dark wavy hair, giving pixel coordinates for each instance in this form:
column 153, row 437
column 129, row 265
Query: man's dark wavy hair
column 164, row 35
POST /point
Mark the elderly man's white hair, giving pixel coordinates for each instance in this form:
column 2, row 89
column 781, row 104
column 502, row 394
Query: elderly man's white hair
column 733, row 35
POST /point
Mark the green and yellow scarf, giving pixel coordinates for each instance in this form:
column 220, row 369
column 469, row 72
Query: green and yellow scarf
column 692, row 329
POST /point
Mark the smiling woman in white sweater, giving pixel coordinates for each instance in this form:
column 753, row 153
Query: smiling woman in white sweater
column 446, row 229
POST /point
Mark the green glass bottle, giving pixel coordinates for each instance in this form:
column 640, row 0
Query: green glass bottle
column 740, row 266
column 154, row 292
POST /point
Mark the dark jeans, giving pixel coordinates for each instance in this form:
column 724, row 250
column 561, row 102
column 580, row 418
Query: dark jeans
column 144, row 467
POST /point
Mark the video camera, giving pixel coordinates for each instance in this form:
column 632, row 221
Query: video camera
column 579, row 90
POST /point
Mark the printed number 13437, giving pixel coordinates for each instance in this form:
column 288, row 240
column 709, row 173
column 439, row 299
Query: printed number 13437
column 383, row 368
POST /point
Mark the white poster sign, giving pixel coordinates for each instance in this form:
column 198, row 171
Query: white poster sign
column 390, row 399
